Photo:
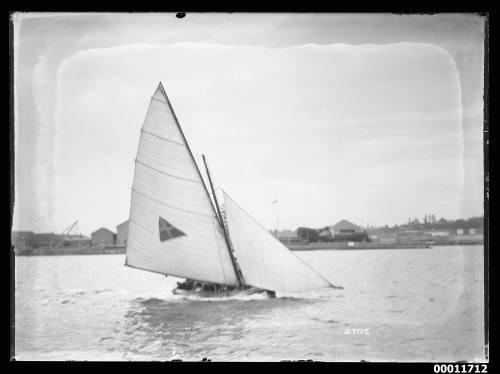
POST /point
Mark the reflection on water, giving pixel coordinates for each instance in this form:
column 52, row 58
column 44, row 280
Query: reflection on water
column 419, row 305
column 198, row 327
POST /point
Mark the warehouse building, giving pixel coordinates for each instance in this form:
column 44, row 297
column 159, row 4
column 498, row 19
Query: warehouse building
column 103, row 237
column 22, row 240
column 344, row 227
column 122, row 233
column 288, row 237
column 345, row 231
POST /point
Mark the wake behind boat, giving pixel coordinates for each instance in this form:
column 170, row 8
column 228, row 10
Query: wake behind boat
column 175, row 228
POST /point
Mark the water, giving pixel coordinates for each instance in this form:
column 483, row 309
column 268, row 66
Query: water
column 419, row 305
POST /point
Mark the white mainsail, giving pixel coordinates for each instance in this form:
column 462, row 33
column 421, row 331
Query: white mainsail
column 264, row 261
column 173, row 228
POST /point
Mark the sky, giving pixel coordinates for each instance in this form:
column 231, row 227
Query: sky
column 373, row 118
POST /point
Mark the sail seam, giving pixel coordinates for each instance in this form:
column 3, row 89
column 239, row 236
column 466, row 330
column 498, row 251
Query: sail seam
column 152, row 155
column 169, row 183
column 159, row 152
column 138, row 251
column 161, row 101
column 162, row 172
column 170, row 206
column 180, row 216
column 283, row 246
column 160, row 137
column 160, row 149
column 186, row 245
column 146, row 190
column 185, row 222
column 140, row 225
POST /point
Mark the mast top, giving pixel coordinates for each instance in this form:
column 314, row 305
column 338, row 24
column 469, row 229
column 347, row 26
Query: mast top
column 161, row 89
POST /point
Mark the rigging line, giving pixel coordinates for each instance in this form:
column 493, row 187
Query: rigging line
column 160, row 137
column 173, row 207
column 162, row 172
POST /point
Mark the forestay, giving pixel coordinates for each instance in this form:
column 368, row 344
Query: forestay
column 173, row 228
column 264, row 261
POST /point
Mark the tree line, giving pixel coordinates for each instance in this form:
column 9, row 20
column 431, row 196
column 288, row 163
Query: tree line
column 429, row 222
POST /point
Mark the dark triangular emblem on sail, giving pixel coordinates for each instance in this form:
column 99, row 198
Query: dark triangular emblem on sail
column 168, row 231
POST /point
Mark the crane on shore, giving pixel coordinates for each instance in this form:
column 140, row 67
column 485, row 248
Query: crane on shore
column 58, row 240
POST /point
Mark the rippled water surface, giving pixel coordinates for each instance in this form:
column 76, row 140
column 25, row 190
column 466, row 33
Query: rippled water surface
column 419, row 305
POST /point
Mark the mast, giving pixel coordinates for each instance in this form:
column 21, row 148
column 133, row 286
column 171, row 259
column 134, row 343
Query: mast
column 241, row 281
column 218, row 216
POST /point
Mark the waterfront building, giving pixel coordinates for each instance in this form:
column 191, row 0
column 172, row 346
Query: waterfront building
column 345, row 231
column 74, row 241
column 122, row 233
column 413, row 236
column 22, row 240
column 344, row 227
column 103, row 237
column 387, row 240
column 325, row 235
column 44, row 240
column 288, row 237
column 439, row 233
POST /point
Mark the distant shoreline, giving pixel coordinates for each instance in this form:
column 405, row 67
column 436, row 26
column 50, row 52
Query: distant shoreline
column 71, row 251
column 369, row 246
column 122, row 250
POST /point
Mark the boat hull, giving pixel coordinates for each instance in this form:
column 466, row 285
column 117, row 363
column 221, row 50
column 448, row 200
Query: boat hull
column 222, row 294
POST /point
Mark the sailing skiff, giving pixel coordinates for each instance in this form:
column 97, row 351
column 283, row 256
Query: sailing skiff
column 176, row 229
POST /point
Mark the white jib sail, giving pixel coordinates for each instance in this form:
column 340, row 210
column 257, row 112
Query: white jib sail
column 264, row 261
column 173, row 228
